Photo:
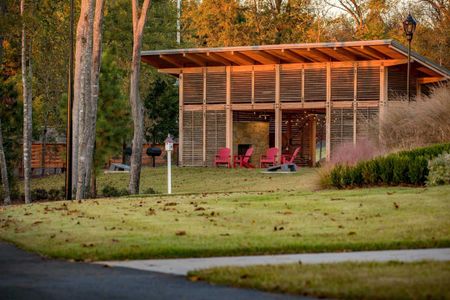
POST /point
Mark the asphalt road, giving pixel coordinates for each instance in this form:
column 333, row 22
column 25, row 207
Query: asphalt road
column 28, row 276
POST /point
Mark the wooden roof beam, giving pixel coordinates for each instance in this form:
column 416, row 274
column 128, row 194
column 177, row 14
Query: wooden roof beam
column 195, row 59
column 296, row 57
column 364, row 56
column 262, row 57
column 425, row 80
column 239, row 56
column 171, row 60
column 338, row 54
column 375, row 53
column 313, row 55
column 219, row 58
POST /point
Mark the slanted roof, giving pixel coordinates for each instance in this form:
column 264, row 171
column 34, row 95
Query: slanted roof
column 289, row 53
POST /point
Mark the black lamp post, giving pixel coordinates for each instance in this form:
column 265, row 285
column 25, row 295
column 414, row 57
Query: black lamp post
column 69, row 110
column 409, row 26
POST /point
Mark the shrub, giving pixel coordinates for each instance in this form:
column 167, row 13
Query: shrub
column 439, row 170
column 350, row 154
column 55, row 194
column 111, row 191
column 150, row 191
column 406, row 167
column 423, row 122
column 39, row 194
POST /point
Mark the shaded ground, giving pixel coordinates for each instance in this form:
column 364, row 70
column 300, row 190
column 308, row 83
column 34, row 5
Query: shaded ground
column 28, row 276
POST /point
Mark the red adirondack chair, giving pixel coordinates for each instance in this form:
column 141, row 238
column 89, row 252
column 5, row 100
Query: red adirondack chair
column 289, row 159
column 244, row 160
column 223, row 157
column 269, row 158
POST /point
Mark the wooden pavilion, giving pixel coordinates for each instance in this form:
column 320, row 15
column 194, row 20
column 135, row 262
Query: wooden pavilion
column 286, row 96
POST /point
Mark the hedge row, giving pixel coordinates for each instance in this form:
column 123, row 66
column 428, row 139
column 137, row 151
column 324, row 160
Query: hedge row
column 406, row 167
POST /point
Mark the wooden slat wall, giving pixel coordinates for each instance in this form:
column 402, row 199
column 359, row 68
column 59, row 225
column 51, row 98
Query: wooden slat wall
column 216, row 85
column 193, row 138
column 367, row 123
column 241, row 87
column 193, row 88
column 368, row 83
column 342, row 84
column 341, row 127
column 54, row 158
column 265, row 86
column 315, row 84
column 215, row 134
column 397, row 82
column 291, row 85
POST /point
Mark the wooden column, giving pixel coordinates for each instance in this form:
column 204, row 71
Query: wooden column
column 328, row 116
column 355, row 103
column 253, row 85
column 228, row 113
column 383, row 91
column 313, row 140
column 278, row 114
column 180, row 120
column 204, row 117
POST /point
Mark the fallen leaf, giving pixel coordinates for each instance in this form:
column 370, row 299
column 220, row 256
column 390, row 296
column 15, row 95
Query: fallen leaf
column 351, row 233
column 180, row 232
column 396, row 205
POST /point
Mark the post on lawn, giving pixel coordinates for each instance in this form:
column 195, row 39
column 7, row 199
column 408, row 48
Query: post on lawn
column 169, row 149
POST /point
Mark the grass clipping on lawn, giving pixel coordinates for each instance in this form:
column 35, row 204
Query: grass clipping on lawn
column 204, row 224
column 392, row 280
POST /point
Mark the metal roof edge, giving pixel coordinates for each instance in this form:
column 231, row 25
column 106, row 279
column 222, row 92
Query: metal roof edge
column 422, row 59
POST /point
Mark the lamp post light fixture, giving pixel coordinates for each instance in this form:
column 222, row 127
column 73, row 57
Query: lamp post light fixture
column 409, row 26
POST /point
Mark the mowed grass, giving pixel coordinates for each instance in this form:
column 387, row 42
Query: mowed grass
column 199, row 180
column 285, row 216
column 392, row 280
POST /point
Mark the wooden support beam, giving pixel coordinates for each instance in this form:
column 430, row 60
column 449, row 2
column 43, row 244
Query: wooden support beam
column 373, row 52
column 278, row 114
column 180, row 121
column 242, row 57
column 338, row 54
column 425, row 80
column 228, row 114
column 205, row 163
column 171, row 60
column 355, row 104
column 294, row 56
column 328, row 115
column 195, row 59
column 263, row 57
column 253, row 85
column 313, row 142
column 320, row 56
column 383, row 95
column 219, row 59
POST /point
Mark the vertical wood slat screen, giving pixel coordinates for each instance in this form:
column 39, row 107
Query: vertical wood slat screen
column 341, row 127
column 342, row 84
column 193, row 138
column 216, row 87
column 265, row 86
column 193, row 88
column 291, row 85
column 366, row 123
column 241, row 87
column 215, row 134
column 397, row 82
column 368, row 86
column 315, row 84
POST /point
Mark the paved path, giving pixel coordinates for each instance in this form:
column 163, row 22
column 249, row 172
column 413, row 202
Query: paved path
column 184, row 265
column 29, row 276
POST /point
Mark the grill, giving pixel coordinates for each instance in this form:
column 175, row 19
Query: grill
column 153, row 152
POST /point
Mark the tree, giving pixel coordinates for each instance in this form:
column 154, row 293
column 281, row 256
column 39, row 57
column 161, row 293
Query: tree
column 27, row 109
column 4, row 171
column 161, row 106
column 137, row 109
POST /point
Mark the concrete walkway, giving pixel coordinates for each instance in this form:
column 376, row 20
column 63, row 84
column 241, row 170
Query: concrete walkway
column 183, row 265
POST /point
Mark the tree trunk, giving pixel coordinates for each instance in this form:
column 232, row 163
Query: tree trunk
column 83, row 92
column 137, row 109
column 91, row 106
column 27, row 113
column 4, row 170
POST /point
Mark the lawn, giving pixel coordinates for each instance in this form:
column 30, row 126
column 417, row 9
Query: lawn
column 392, row 280
column 199, row 180
column 286, row 215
